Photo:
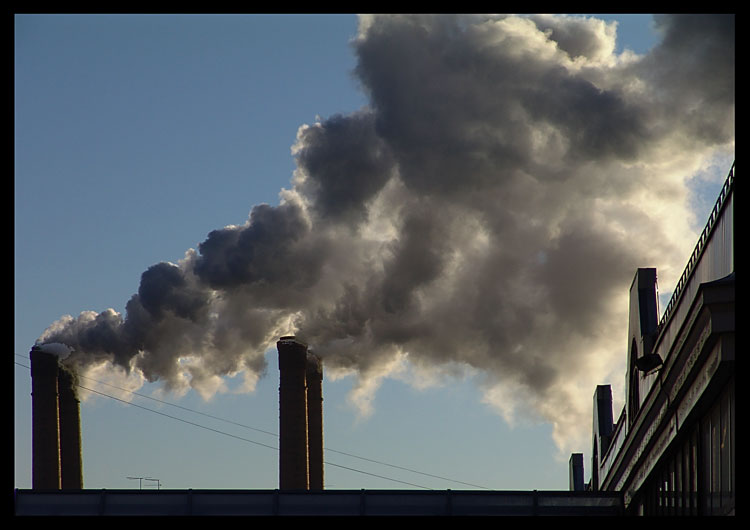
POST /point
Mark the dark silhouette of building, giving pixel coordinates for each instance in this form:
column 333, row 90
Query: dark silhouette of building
column 318, row 503
column 672, row 449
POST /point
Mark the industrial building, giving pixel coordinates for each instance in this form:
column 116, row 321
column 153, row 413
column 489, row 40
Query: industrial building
column 670, row 452
column 301, row 469
column 672, row 449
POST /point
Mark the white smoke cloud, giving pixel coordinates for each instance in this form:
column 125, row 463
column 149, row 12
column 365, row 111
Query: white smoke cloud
column 104, row 378
column 486, row 212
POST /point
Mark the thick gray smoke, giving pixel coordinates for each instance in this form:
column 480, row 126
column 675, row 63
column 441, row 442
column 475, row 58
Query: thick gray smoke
column 487, row 211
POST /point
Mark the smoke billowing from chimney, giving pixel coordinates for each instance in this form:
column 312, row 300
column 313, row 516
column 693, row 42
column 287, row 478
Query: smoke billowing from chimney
column 486, row 210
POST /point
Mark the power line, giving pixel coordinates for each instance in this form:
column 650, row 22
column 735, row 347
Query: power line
column 405, row 469
column 180, row 419
column 394, row 466
column 181, row 407
column 217, row 431
column 276, row 435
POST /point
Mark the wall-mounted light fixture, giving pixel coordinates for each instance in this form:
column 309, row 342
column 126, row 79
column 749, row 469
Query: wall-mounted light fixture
column 649, row 362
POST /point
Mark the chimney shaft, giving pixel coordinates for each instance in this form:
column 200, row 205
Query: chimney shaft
column 45, row 421
column 71, row 462
column 293, row 457
column 575, row 472
column 315, row 421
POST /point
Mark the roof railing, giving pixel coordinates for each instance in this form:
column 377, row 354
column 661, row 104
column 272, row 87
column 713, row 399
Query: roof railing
column 698, row 250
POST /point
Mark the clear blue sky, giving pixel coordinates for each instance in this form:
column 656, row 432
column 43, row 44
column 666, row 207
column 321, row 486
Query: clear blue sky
column 135, row 136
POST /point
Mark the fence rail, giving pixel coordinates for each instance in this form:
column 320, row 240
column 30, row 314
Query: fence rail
column 698, row 250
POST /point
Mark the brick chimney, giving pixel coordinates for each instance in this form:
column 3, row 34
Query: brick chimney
column 55, row 424
column 300, row 416
column 314, row 378
column 69, row 406
column 293, row 453
column 45, row 421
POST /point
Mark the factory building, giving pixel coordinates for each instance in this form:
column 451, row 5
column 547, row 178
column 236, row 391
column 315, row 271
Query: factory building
column 671, row 450
column 301, row 471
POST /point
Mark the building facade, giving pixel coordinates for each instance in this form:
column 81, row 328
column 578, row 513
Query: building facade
column 672, row 449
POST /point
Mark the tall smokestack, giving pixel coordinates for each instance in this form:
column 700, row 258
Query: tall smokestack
column 293, row 457
column 314, row 379
column 45, row 421
column 71, row 462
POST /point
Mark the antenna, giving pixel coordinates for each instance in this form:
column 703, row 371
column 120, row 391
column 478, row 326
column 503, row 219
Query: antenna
column 158, row 482
column 139, row 479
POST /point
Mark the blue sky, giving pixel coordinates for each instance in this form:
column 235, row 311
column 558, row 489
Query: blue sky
column 135, row 136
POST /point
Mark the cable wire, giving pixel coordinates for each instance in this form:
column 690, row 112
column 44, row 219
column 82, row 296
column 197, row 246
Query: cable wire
column 276, row 435
column 259, row 430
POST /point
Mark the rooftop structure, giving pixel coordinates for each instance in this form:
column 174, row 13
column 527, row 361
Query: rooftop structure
column 672, row 449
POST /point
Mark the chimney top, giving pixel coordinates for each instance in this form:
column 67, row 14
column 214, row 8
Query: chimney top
column 57, row 349
column 291, row 339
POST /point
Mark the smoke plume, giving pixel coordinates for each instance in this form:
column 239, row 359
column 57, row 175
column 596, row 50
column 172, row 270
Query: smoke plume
column 486, row 211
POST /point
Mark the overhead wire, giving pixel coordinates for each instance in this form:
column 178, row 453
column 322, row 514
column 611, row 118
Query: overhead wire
column 276, row 435
column 217, row 431
column 218, row 418
column 238, row 437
